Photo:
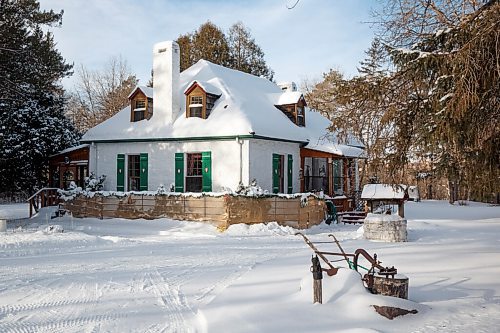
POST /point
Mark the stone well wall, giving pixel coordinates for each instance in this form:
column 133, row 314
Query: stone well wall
column 387, row 228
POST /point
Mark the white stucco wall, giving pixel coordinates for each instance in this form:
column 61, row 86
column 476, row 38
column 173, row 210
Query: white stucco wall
column 161, row 161
column 256, row 157
column 261, row 162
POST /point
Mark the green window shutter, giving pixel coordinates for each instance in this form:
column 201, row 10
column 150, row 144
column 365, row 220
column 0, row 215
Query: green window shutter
column 206, row 164
column 179, row 172
column 120, row 172
column 143, row 186
column 276, row 177
column 290, row 174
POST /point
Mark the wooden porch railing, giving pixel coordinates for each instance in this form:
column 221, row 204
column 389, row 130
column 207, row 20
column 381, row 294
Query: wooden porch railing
column 44, row 197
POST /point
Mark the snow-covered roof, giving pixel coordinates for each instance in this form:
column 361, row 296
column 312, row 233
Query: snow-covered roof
column 383, row 191
column 287, row 97
column 206, row 86
column 68, row 150
column 246, row 106
column 148, row 91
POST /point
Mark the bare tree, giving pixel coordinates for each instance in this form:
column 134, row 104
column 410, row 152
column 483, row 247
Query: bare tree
column 99, row 95
column 358, row 107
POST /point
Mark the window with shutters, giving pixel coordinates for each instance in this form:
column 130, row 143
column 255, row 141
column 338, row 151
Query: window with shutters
column 194, row 172
column 134, row 173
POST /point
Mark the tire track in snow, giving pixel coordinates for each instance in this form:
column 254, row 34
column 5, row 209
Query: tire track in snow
column 167, row 291
column 52, row 326
column 14, row 309
column 58, row 315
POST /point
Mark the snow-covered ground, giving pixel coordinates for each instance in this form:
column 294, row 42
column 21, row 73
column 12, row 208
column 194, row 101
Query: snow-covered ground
column 14, row 211
column 168, row 276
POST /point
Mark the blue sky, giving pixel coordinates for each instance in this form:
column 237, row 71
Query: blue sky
column 299, row 44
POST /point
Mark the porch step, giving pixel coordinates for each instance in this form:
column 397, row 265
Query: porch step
column 353, row 217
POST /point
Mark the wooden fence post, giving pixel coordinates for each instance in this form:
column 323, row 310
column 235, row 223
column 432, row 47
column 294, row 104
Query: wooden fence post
column 317, row 280
column 317, row 291
column 102, row 208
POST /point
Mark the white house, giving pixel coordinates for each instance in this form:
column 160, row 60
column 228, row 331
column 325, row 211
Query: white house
column 211, row 127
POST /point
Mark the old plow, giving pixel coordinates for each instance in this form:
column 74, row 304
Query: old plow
column 377, row 278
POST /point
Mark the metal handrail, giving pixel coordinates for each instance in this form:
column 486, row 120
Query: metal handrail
column 41, row 190
column 35, row 197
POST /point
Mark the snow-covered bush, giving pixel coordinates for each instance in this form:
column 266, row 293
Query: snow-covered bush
column 72, row 186
column 251, row 190
column 162, row 190
column 94, row 184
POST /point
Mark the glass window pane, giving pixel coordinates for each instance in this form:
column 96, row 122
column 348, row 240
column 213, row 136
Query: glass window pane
column 195, row 111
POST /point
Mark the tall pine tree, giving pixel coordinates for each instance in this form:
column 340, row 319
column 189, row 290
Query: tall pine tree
column 238, row 50
column 210, row 43
column 448, row 84
column 246, row 55
column 33, row 125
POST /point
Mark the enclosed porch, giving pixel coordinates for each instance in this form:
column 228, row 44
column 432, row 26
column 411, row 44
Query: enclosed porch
column 335, row 175
column 70, row 165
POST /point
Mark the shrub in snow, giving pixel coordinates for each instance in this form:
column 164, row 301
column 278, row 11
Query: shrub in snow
column 72, row 186
column 162, row 190
column 251, row 190
column 94, row 184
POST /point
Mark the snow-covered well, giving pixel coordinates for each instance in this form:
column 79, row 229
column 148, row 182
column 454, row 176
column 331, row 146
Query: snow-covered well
column 387, row 228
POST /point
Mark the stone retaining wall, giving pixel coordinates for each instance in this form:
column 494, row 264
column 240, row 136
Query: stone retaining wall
column 223, row 210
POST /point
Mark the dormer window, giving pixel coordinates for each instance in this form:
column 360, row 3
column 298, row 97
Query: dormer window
column 200, row 99
column 196, row 106
column 141, row 103
column 139, row 110
column 300, row 116
column 293, row 104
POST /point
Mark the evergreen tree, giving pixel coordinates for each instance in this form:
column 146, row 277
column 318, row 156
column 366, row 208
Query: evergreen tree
column 448, row 85
column 246, row 55
column 237, row 51
column 210, row 43
column 185, row 43
column 33, row 125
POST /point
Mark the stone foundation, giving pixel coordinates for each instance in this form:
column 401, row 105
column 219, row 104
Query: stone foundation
column 387, row 228
column 222, row 210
